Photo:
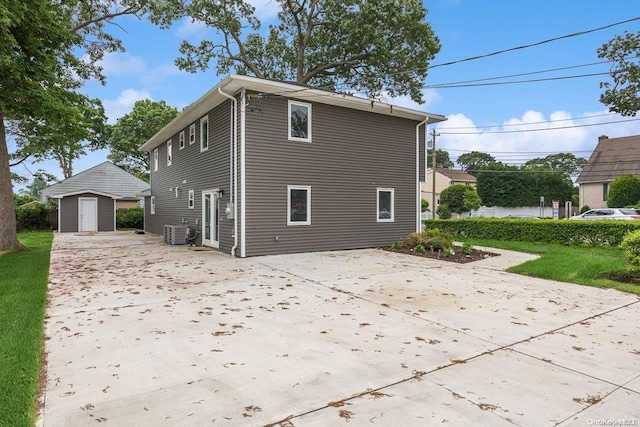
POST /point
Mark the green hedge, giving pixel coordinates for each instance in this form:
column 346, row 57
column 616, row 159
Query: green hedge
column 33, row 218
column 595, row 233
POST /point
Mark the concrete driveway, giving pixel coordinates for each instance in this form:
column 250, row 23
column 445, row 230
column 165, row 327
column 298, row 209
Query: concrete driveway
column 144, row 334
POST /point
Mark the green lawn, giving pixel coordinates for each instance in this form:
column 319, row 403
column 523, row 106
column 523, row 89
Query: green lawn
column 583, row 265
column 23, row 294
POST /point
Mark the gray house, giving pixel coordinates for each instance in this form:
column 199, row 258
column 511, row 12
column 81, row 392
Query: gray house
column 259, row 167
column 88, row 201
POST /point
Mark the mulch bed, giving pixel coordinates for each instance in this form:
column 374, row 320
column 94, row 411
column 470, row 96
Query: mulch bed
column 621, row 276
column 458, row 256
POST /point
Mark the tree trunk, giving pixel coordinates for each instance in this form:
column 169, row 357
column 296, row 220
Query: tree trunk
column 8, row 234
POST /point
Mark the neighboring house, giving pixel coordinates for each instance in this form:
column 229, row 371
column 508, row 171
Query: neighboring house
column 88, row 201
column 31, row 204
column 611, row 158
column 265, row 167
column 444, row 178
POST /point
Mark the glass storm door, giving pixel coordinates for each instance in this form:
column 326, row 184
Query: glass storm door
column 210, row 218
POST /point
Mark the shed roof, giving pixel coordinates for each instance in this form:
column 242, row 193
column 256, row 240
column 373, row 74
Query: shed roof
column 105, row 178
column 232, row 84
column 611, row 158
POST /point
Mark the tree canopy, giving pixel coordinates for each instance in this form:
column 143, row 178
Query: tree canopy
column 624, row 191
column 566, row 163
column 473, row 161
column 621, row 95
column 369, row 46
column 442, row 159
column 460, row 198
column 134, row 129
column 41, row 68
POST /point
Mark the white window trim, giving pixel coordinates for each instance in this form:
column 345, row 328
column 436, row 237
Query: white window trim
column 192, row 133
column 169, row 152
column 181, row 140
column 298, row 187
column 204, row 138
column 153, row 205
column 192, row 199
column 155, row 160
column 393, row 208
column 302, row 104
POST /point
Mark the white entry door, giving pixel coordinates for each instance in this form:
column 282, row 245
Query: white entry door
column 211, row 218
column 87, row 214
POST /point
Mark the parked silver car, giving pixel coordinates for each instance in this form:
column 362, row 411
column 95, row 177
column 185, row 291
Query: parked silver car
column 610, row 213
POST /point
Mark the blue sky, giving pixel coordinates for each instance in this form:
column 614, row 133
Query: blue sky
column 466, row 28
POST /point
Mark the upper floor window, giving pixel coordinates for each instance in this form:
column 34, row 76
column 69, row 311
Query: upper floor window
column 385, row 205
column 299, row 121
column 169, row 153
column 155, row 160
column 181, row 140
column 298, row 205
column 204, row 133
column 192, row 133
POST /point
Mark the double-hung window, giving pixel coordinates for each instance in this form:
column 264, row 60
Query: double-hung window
column 298, row 205
column 155, row 160
column 299, row 121
column 181, row 140
column 204, row 133
column 169, row 152
column 385, row 205
column 192, row 133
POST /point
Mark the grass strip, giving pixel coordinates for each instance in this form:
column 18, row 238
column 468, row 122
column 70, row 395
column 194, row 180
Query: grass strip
column 583, row 265
column 23, row 296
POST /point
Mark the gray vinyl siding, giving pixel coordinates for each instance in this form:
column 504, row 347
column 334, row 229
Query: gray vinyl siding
column 206, row 170
column 69, row 212
column 352, row 153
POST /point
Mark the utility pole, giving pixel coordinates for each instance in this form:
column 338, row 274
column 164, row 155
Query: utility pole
column 433, row 174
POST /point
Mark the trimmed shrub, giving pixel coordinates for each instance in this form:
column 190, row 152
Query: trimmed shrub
column 631, row 246
column 624, row 191
column 594, row 233
column 130, row 218
column 432, row 239
column 444, row 212
column 584, row 209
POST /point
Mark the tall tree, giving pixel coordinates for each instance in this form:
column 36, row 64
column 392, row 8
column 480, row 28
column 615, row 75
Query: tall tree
column 622, row 95
column 442, row 159
column 39, row 139
column 38, row 63
column 134, row 129
column 566, row 163
column 473, row 161
column 367, row 45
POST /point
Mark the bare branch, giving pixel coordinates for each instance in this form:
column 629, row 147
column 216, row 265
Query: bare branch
column 132, row 10
column 324, row 67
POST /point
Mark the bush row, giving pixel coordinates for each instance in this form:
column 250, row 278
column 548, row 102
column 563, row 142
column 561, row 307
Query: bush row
column 33, row 218
column 595, row 233
column 130, row 218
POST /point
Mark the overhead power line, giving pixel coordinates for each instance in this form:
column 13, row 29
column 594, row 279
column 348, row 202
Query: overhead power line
column 540, row 129
column 530, row 123
column 580, row 33
column 577, row 76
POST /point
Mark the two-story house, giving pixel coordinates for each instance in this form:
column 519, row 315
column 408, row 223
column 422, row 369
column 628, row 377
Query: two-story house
column 266, row 167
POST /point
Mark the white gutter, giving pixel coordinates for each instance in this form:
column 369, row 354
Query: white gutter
column 233, row 168
column 418, row 189
column 243, row 185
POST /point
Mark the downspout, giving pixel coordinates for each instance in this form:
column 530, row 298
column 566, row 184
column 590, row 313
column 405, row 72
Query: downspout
column 418, row 189
column 233, row 169
column 243, row 186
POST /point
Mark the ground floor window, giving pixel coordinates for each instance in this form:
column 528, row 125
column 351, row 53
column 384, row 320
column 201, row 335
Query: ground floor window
column 385, row 205
column 298, row 205
column 153, row 205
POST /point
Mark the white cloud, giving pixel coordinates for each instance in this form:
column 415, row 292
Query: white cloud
column 121, row 64
column 117, row 108
column 520, row 139
column 430, row 97
column 160, row 73
column 189, row 29
column 265, row 9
